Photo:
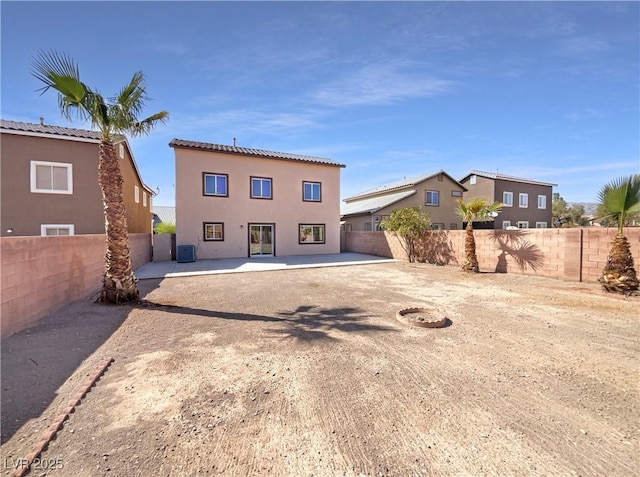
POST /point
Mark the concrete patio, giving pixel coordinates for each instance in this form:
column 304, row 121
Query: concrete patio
column 240, row 265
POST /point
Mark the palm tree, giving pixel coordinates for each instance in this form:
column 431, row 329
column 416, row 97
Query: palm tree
column 113, row 119
column 474, row 210
column 620, row 201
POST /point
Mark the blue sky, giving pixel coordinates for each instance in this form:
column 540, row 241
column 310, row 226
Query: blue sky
column 543, row 90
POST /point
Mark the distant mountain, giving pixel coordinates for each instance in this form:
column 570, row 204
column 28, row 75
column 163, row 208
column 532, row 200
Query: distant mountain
column 589, row 207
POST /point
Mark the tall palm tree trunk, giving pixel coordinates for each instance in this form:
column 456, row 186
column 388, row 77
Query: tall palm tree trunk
column 119, row 283
column 470, row 258
column 618, row 274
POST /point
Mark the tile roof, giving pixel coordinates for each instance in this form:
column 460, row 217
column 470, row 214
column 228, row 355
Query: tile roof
column 400, row 184
column 373, row 204
column 504, row 177
column 48, row 129
column 251, row 152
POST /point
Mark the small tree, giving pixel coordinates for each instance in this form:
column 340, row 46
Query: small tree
column 474, row 210
column 409, row 223
column 165, row 228
column 619, row 201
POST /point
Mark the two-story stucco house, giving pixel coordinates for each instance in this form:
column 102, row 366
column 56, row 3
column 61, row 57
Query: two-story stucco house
column 527, row 203
column 434, row 193
column 240, row 202
column 50, row 183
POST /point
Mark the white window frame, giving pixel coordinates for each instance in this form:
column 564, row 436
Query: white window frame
column 322, row 227
column 34, row 185
column 214, row 226
column 542, row 199
column 262, row 180
column 541, row 225
column 215, row 192
column 507, row 203
column 523, row 224
column 121, row 150
column 44, row 227
column 434, row 194
column 144, row 199
column 473, row 179
column 136, row 194
column 506, row 223
column 312, row 185
column 437, row 227
column 523, row 204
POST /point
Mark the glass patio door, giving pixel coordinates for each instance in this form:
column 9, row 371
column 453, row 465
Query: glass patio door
column 260, row 240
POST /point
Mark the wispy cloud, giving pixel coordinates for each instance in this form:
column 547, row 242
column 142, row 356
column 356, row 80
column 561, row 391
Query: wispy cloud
column 585, row 113
column 580, row 45
column 377, row 84
column 620, row 166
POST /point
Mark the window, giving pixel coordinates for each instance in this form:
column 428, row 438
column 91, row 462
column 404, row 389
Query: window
column 440, row 177
column 215, row 184
column 432, row 197
column 311, row 233
column 523, row 200
column 260, row 188
column 213, row 231
column 507, row 199
column 506, row 224
column 454, row 226
column 51, row 177
column 541, row 225
column 121, row 150
column 312, row 191
column 542, row 202
column 456, row 193
column 49, row 230
column 367, row 226
column 523, row 224
column 136, row 194
column 144, row 199
column 472, row 180
column 437, row 227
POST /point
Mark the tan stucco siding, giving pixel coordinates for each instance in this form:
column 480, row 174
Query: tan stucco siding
column 286, row 210
column 25, row 211
column 139, row 215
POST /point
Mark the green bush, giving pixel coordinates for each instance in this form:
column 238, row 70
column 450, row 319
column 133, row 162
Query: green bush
column 165, row 228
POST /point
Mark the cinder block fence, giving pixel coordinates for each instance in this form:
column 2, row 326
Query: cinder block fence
column 575, row 254
column 40, row 274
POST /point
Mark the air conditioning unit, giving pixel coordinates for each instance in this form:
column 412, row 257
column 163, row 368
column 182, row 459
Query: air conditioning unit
column 186, row 253
column 376, row 218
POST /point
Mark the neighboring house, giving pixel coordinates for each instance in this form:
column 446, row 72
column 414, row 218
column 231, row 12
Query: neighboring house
column 435, row 194
column 49, row 181
column 527, row 202
column 240, row 202
column 163, row 213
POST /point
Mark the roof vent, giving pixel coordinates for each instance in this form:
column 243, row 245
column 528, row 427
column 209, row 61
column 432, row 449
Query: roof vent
column 234, row 142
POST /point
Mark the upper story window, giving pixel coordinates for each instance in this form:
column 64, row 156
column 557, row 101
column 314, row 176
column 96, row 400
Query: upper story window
column 432, row 197
column 523, row 201
column 507, row 199
column 312, row 191
column 136, row 194
column 49, row 230
column 261, row 188
column 473, row 179
column 121, row 150
column 144, row 199
column 456, row 193
column 542, row 202
column 51, row 177
column 215, row 184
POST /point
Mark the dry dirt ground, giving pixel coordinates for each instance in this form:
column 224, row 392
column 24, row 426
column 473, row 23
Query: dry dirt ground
column 308, row 372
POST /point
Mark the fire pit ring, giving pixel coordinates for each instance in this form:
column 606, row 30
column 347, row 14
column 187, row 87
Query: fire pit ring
column 422, row 318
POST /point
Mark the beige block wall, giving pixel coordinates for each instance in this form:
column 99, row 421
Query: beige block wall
column 577, row 254
column 40, row 274
column 286, row 210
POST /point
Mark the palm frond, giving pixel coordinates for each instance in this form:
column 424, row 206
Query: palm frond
column 620, row 198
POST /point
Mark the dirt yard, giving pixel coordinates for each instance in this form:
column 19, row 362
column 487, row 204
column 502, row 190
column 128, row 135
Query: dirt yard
column 308, row 372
